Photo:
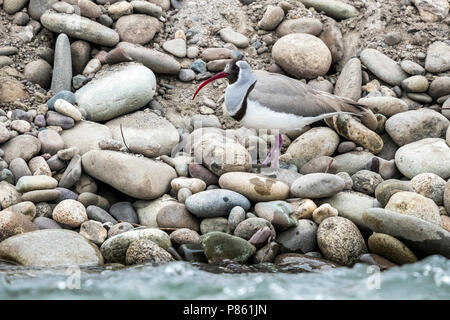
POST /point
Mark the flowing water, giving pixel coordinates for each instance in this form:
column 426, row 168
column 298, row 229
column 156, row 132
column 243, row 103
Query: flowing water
column 427, row 279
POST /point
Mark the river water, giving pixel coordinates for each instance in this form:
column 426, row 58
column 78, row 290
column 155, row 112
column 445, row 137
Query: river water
column 427, row 279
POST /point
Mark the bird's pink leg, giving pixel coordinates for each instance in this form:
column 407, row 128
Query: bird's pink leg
column 274, row 153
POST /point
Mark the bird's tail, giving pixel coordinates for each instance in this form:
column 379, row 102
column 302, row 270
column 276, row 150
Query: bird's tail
column 346, row 105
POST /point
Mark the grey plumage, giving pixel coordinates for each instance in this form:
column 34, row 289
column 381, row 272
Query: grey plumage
column 283, row 94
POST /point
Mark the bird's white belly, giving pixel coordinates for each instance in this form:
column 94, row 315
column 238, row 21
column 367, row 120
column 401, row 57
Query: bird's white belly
column 258, row 116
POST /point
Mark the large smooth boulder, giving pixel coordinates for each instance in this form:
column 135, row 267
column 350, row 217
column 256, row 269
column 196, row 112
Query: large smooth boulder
column 117, row 90
column 145, row 128
column 80, row 28
column 430, row 155
column 302, row 55
column 85, row 135
column 51, row 247
column 138, row 177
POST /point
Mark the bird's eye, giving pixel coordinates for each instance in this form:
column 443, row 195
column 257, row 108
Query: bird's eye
column 235, row 67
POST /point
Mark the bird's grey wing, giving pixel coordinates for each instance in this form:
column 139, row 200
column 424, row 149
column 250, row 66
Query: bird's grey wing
column 283, row 94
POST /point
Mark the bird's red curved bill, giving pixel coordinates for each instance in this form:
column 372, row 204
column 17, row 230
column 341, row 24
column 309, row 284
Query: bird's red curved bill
column 204, row 83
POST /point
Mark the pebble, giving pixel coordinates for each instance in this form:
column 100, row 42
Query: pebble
column 215, row 203
column 8, row 195
column 301, row 238
column 438, row 57
column 99, row 214
column 412, row 68
column 146, row 251
column 387, row 106
column 30, row 183
column 58, row 120
column 218, row 224
column 340, row 241
column 114, row 249
column 219, row 152
column 46, row 248
column 193, row 184
column 302, row 55
column 323, row 212
column 89, row 9
column 5, row 61
column 62, row 65
column 271, row 18
column 88, row 199
column 432, row 11
column 39, row 72
column 349, row 82
column 145, row 128
column 383, row 67
column 138, row 28
column 366, row 181
column 416, row 84
column 301, row 25
column 278, row 213
column 211, row 54
column 439, row 87
column 415, row 125
column 332, row 37
column 266, row 253
column 176, row 47
column 119, row 9
column 192, row 52
column 157, row 61
column 92, row 67
column 70, row 212
column 335, row 9
column 254, row 187
column 14, row 223
column 39, row 166
column 72, row 174
column 415, row 232
column 87, row 29
column 176, row 216
column 8, row 50
column 12, row 6
column 414, row 204
column 247, row 228
column 85, row 135
column 21, row 126
column 46, row 223
column 236, row 38
column 65, row 95
column 351, row 205
column 119, row 228
column 430, row 155
column 103, row 101
column 319, row 141
column 155, row 175
column 93, row 231
column 219, row 246
column 186, row 75
column 67, row 109
column 184, row 236
column 350, row 128
column 429, row 185
column 317, row 185
column 147, row 8
column 50, row 141
column 386, row 189
column 391, row 248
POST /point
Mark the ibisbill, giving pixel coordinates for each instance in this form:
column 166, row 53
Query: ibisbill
column 271, row 101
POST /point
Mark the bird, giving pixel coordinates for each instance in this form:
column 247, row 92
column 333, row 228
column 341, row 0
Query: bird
column 263, row 100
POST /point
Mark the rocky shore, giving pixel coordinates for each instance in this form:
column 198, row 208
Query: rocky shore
column 105, row 159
